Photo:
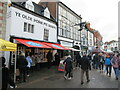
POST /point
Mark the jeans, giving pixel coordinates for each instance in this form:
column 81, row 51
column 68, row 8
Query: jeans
column 101, row 66
column 116, row 70
column 68, row 73
column 108, row 68
column 82, row 74
column 22, row 74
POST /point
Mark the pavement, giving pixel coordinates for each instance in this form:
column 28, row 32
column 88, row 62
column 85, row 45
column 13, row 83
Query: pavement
column 51, row 78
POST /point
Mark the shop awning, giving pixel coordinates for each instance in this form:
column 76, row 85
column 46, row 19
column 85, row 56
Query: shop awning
column 56, row 46
column 31, row 43
column 7, row 46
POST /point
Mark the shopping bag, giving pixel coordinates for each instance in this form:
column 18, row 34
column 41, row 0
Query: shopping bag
column 61, row 67
column 104, row 69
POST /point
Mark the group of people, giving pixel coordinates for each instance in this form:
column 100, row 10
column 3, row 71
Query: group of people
column 105, row 62
column 99, row 61
column 82, row 62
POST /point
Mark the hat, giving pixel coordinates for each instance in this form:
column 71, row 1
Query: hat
column 22, row 54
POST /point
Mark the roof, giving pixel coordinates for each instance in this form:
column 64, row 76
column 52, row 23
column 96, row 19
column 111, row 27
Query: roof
column 37, row 8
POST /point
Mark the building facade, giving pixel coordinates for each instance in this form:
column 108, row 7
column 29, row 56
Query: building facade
column 28, row 25
column 112, row 45
column 97, row 39
column 68, row 34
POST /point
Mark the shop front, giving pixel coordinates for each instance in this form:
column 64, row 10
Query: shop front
column 38, row 48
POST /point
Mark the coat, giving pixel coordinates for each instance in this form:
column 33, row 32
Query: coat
column 85, row 63
column 29, row 60
column 115, row 61
column 22, row 62
column 107, row 61
column 68, row 66
column 49, row 56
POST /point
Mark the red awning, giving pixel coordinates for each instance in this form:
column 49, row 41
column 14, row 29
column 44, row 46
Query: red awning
column 31, row 43
column 56, row 46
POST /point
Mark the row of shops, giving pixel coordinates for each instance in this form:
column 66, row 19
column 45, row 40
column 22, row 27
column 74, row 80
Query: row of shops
column 36, row 33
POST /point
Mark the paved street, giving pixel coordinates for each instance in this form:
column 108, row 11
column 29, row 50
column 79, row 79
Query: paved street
column 51, row 78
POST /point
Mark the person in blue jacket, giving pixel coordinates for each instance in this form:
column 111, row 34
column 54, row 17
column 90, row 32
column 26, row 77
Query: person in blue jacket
column 108, row 65
column 29, row 60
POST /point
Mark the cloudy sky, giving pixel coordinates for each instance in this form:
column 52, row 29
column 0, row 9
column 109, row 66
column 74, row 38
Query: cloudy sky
column 102, row 15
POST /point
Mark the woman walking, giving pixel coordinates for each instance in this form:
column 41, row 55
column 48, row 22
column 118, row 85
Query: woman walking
column 115, row 63
column 108, row 65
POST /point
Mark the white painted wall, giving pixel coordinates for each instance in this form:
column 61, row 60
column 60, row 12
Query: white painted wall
column 90, row 36
column 29, row 5
column 17, row 26
column 47, row 13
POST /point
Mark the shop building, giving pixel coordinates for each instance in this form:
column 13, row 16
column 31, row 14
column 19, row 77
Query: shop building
column 97, row 39
column 33, row 29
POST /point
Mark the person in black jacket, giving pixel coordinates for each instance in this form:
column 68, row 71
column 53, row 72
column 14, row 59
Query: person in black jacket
column 68, row 67
column 57, row 59
column 85, row 67
column 78, row 58
column 22, row 66
column 6, row 79
column 49, row 58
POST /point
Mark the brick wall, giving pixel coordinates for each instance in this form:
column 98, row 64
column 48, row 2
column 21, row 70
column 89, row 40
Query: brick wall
column 3, row 10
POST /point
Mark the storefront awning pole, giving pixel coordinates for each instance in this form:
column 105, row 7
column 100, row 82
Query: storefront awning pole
column 15, row 68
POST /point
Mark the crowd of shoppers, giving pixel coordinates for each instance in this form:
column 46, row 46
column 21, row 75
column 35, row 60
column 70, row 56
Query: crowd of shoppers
column 99, row 61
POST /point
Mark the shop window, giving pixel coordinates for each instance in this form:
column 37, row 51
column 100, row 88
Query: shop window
column 46, row 34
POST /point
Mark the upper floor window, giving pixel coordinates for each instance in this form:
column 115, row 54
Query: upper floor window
column 46, row 34
column 28, row 27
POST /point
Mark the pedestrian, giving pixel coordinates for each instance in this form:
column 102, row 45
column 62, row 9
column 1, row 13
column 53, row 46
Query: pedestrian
column 33, row 63
column 78, row 58
column 37, row 61
column 57, row 59
column 49, row 58
column 108, row 65
column 29, row 60
column 96, row 61
column 85, row 67
column 68, row 67
column 115, row 61
column 6, row 79
column 22, row 66
column 101, row 60
column 93, row 61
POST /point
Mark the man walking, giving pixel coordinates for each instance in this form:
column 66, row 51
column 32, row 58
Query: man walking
column 85, row 67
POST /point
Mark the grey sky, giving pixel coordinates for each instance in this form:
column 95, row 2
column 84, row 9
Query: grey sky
column 102, row 14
